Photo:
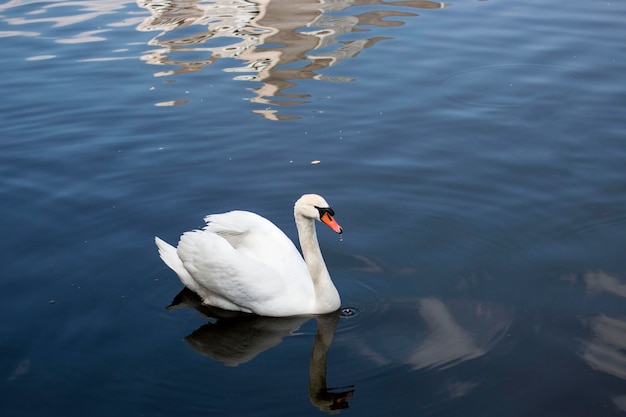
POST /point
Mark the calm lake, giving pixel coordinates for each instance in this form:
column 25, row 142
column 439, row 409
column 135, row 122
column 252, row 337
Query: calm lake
column 473, row 151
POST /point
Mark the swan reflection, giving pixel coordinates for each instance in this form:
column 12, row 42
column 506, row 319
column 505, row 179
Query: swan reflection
column 235, row 338
column 277, row 42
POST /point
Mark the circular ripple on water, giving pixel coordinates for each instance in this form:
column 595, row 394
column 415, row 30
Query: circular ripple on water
column 361, row 298
column 419, row 333
column 510, row 85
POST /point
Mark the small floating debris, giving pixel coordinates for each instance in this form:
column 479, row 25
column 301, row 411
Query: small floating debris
column 51, row 302
column 171, row 103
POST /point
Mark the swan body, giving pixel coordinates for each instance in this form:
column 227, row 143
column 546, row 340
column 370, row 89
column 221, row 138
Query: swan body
column 241, row 261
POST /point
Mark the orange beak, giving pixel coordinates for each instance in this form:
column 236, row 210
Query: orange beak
column 330, row 222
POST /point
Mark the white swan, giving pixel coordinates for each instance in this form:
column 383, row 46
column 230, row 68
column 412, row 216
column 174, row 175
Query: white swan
column 241, row 261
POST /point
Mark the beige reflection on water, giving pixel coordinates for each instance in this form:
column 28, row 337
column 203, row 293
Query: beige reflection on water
column 63, row 14
column 276, row 42
column 605, row 347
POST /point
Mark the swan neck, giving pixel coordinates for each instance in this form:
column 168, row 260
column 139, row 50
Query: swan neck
column 325, row 291
column 311, row 248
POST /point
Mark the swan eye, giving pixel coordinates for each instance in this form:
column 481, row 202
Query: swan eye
column 324, row 210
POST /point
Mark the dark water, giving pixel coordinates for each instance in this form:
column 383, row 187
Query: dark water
column 474, row 153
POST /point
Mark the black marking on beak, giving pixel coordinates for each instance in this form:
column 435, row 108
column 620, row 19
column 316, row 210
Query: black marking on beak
column 324, row 210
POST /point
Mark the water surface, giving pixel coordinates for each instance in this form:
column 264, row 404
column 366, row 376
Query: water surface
column 473, row 153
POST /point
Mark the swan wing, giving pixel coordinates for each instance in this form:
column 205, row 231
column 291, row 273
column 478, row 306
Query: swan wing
column 223, row 274
column 242, row 261
column 258, row 238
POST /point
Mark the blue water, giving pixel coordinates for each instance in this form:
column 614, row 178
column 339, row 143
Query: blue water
column 473, row 152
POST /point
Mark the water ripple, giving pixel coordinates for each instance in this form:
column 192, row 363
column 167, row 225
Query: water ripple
column 391, row 331
column 510, row 85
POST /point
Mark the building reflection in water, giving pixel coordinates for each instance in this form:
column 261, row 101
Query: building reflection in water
column 277, row 41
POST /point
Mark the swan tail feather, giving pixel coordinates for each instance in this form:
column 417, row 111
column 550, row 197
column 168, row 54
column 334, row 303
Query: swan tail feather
column 169, row 255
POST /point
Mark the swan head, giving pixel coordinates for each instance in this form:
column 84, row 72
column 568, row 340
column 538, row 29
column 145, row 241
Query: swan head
column 313, row 206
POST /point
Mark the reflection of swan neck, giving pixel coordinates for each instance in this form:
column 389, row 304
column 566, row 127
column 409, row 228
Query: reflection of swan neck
column 325, row 291
column 317, row 366
column 318, row 391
